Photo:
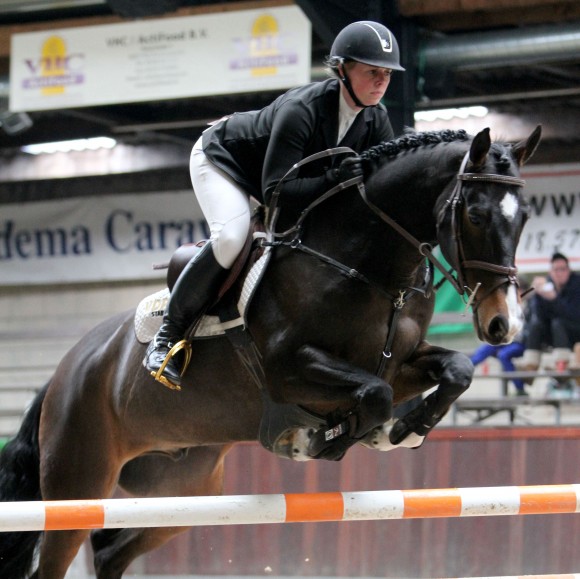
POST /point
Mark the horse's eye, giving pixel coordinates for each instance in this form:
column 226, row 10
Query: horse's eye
column 526, row 212
column 477, row 217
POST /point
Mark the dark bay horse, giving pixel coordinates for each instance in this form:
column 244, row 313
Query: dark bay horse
column 339, row 323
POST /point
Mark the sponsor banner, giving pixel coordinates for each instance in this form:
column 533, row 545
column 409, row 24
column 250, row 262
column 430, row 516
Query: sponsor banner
column 191, row 56
column 554, row 194
column 120, row 237
column 116, row 237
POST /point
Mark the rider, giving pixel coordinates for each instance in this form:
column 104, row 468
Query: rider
column 246, row 154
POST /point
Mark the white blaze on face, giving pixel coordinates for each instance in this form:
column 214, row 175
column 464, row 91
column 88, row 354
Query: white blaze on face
column 515, row 314
column 509, row 206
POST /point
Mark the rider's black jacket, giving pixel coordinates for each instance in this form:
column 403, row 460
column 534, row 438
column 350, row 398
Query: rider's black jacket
column 257, row 148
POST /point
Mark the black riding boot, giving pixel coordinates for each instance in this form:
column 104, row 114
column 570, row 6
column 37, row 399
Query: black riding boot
column 195, row 289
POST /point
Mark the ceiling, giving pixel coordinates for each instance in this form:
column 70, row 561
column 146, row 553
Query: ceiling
column 520, row 58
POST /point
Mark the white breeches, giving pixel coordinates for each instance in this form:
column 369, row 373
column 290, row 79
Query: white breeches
column 225, row 206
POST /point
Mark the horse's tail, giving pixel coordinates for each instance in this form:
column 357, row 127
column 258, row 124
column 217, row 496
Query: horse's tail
column 20, row 481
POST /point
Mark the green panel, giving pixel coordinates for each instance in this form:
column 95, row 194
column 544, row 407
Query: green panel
column 448, row 300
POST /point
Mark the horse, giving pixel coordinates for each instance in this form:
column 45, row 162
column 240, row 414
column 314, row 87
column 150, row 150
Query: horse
column 335, row 335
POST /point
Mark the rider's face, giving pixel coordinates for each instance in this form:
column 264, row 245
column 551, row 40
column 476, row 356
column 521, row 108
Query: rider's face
column 369, row 83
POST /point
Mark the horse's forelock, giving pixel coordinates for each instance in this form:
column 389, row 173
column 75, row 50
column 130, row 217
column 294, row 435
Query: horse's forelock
column 502, row 157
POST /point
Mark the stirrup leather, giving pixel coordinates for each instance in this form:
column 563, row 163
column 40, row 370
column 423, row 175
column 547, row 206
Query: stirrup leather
column 158, row 375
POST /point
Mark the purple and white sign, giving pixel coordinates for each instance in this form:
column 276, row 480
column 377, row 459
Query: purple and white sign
column 190, row 56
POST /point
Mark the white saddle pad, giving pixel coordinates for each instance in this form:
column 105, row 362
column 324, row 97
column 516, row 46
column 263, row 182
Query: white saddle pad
column 149, row 314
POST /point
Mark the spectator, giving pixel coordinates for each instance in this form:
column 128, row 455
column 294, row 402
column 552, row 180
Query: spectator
column 505, row 353
column 555, row 321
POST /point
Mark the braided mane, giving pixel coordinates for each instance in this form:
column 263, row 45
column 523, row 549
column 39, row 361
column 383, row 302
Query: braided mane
column 412, row 140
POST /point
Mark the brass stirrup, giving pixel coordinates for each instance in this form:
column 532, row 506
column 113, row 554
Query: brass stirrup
column 181, row 345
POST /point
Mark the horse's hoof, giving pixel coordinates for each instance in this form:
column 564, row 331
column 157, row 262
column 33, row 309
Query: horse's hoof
column 402, row 435
column 333, row 452
column 293, row 444
column 379, row 438
column 335, row 449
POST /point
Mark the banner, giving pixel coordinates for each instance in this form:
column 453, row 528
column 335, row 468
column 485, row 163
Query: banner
column 554, row 194
column 116, row 237
column 149, row 60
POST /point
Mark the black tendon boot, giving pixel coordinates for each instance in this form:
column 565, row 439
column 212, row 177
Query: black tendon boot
column 195, row 289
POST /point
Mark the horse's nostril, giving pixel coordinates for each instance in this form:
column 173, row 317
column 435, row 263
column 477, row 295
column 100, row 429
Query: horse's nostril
column 498, row 328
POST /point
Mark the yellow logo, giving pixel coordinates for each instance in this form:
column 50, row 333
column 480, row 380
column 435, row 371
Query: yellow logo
column 53, row 60
column 264, row 44
column 263, row 53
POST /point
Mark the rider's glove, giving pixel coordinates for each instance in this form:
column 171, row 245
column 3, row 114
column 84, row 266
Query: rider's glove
column 349, row 168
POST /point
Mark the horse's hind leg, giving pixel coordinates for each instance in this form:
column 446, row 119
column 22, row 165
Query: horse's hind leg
column 79, row 459
column 59, row 548
column 200, row 472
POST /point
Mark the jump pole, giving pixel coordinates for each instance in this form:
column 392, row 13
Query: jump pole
column 288, row 508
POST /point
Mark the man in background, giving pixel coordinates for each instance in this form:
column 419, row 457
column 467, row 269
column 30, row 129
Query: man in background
column 555, row 320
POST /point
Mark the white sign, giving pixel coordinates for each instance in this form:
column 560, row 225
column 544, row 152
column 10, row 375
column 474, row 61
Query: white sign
column 230, row 52
column 554, row 194
column 116, row 237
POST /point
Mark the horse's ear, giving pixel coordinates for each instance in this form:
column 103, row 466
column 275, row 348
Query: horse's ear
column 523, row 150
column 480, row 148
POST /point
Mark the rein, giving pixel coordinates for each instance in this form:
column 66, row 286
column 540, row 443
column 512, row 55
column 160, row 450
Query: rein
column 277, row 239
column 291, row 237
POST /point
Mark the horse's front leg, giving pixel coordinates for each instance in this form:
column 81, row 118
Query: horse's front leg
column 368, row 401
column 429, row 366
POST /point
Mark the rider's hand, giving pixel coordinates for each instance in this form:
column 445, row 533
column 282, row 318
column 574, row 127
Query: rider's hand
column 349, row 168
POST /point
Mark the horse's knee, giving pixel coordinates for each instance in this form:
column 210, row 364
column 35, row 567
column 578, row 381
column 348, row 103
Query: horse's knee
column 458, row 372
column 375, row 407
column 376, row 398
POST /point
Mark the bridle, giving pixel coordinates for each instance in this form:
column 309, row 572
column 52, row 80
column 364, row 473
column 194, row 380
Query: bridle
column 507, row 274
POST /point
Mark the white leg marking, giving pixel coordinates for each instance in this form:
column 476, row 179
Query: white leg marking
column 378, row 439
column 300, row 444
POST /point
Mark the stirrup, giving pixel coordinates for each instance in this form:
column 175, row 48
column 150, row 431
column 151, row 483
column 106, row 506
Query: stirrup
column 181, row 345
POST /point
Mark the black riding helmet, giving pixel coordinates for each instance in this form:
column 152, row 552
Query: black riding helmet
column 367, row 42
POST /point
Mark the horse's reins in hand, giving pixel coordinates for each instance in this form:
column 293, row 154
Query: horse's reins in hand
column 274, row 207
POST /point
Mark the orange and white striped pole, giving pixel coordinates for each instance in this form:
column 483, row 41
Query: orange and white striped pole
column 288, row 508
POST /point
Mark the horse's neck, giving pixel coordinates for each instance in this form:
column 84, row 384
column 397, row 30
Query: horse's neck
column 408, row 192
column 351, row 233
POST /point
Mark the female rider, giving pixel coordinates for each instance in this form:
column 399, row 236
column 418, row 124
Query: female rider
column 248, row 153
